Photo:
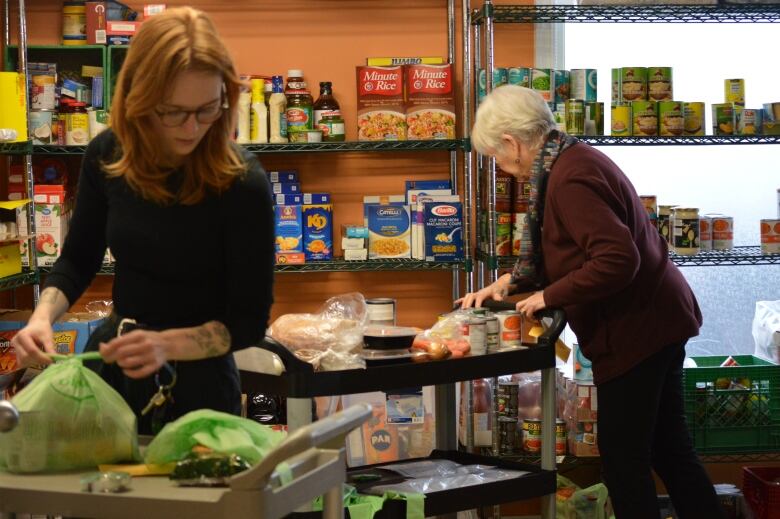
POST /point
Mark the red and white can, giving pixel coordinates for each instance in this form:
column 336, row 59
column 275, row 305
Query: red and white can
column 705, row 232
column 510, row 333
column 722, row 232
column 770, row 236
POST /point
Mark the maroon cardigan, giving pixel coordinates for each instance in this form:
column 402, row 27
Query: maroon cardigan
column 609, row 268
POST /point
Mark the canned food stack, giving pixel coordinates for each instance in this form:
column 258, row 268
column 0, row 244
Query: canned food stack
column 643, row 104
column 511, row 204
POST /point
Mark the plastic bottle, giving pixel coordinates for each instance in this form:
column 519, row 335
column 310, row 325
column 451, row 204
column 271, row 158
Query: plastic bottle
column 258, row 131
column 244, row 100
column 277, row 112
column 300, row 106
column 326, row 104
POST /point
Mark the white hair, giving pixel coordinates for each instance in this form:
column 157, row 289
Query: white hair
column 514, row 110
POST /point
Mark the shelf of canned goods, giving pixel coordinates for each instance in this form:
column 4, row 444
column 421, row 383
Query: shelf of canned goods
column 27, row 277
column 742, row 13
column 743, row 255
column 702, row 140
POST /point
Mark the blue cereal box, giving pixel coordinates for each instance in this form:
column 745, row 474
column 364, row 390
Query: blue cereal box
column 285, row 189
column 443, row 231
column 288, row 199
column 316, row 198
column 288, row 227
column 389, row 231
column 288, row 176
column 318, row 232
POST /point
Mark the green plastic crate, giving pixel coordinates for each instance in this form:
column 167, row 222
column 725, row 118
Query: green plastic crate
column 725, row 417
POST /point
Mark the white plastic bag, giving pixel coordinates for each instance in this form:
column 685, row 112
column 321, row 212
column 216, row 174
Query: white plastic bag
column 766, row 330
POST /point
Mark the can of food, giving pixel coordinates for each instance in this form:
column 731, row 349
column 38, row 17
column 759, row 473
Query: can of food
column 560, row 437
column 659, row 83
column 474, row 330
column 749, row 121
column 734, row 91
column 481, row 85
column 381, row 310
column 770, row 236
column 520, row 242
column 532, row 435
column 98, row 121
column 582, row 84
column 504, row 234
column 664, row 222
column 575, row 117
column 722, row 232
column 43, row 92
column 685, row 231
column 500, row 77
column 41, row 129
column 77, row 128
column 507, row 434
column 507, row 399
column 621, row 125
column 74, row 23
column 561, row 87
column 616, row 86
column 671, row 118
column 723, row 119
column 594, row 118
column 694, row 118
column 492, row 331
column 510, row 332
column 504, row 185
column 650, row 203
column 633, row 84
column 705, row 232
column 520, row 76
column 522, row 192
column 645, row 118
column 542, row 82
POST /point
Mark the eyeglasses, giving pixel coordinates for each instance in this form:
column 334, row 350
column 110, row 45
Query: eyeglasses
column 204, row 115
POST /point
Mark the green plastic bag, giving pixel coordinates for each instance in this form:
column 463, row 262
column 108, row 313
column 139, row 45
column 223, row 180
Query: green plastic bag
column 70, row 418
column 572, row 502
column 221, row 432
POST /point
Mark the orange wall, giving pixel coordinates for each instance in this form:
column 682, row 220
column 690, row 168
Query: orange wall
column 327, row 39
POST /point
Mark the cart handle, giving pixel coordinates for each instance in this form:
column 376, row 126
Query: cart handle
column 320, row 433
column 551, row 333
column 291, row 363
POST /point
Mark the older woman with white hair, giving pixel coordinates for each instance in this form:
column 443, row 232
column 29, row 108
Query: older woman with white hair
column 595, row 253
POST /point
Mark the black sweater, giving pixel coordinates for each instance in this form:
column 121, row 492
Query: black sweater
column 176, row 266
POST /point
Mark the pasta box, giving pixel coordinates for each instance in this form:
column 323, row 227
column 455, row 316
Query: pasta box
column 317, row 227
column 380, row 104
column 430, row 106
column 389, row 231
column 296, row 199
column 443, row 231
column 290, row 188
column 288, row 176
column 288, row 228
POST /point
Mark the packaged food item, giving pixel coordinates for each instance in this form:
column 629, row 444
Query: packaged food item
column 734, row 91
column 443, row 231
column 722, row 232
column 430, row 108
column 380, row 104
column 542, row 80
column 300, row 105
column 288, row 227
column 659, row 83
column 575, row 117
column 325, row 106
column 723, row 119
column 520, row 76
column 685, row 236
column 244, row 117
column 317, row 213
column 770, row 236
column 277, row 112
column 671, row 118
column 389, row 231
column 622, row 125
column 633, row 84
column 694, row 118
column 594, row 118
column 645, row 118
column 583, row 83
column 258, row 128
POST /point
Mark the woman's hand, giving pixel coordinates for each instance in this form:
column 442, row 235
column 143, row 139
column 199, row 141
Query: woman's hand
column 31, row 341
column 139, row 353
column 530, row 305
column 497, row 290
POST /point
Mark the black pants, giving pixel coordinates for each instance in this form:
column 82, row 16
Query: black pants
column 641, row 427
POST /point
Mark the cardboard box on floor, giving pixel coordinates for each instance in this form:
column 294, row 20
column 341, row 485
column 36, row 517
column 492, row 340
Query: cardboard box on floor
column 71, row 332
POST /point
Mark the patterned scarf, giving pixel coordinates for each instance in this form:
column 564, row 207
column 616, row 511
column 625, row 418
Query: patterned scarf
column 529, row 268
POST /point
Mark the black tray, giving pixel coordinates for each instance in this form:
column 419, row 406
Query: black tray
column 537, row 483
column 301, row 381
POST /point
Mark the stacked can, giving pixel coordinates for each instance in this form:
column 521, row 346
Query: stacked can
column 510, row 329
column 492, row 332
column 621, row 125
column 705, row 232
column 659, row 83
column 722, row 232
column 509, row 439
column 582, row 84
column 694, row 118
column 723, row 119
column 594, row 118
column 542, row 81
column 632, row 84
column 671, row 118
column 749, row 121
column 520, row 76
column 665, row 222
column 645, row 118
column 503, row 234
column 575, row 117
column 532, row 436
column 507, row 399
column 474, row 330
column 685, row 231
column 561, row 91
column 770, row 236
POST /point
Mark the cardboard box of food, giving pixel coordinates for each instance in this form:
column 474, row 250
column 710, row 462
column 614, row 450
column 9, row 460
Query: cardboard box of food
column 430, row 104
column 96, row 23
column 389, row 231
column 317, row 227
column 288, row 225
column 380, row 104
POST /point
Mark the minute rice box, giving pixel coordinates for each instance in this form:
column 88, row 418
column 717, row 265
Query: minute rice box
column 389, row 231
column 380, row 104
column 430, row 108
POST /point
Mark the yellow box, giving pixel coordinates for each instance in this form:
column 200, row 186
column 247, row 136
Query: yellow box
column 734, row 91
column 13, row 104
column 10, row 258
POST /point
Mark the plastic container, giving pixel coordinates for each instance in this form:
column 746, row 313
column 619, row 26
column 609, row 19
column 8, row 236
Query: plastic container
column 74, row 23
column 761, row 487
column 733, row 409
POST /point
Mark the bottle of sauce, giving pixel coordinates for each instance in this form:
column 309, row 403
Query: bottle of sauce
column 326, row 104
column 300, row 106
column 277, row 112
column 258, row 133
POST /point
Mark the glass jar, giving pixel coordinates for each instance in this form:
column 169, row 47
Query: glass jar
column 332, row 127
column 685, row 231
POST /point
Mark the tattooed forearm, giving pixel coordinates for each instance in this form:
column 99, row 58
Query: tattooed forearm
column 220, row 333
column 211, row 339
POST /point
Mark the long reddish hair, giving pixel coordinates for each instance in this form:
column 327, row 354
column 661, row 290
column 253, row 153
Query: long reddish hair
column 178, row 40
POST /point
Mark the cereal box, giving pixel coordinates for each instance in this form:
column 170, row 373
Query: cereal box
column 430, row 108
column 317, row 227
column 290, row 188
column 443, row 231
column 380, row 104
column 288, row 176
column 296, row 199
column 389, row 231
column 288, row 226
